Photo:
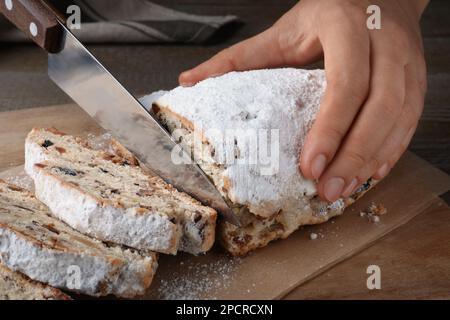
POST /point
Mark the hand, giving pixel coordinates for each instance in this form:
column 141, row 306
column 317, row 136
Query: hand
column 376, row 83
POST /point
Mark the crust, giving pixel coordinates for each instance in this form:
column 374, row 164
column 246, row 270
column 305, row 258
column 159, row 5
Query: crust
column 123, row 152
column 257, row 233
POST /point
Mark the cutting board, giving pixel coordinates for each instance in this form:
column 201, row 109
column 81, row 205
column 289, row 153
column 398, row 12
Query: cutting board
column 267, row 273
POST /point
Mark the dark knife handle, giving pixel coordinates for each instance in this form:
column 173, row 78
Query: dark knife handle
column 36, row 20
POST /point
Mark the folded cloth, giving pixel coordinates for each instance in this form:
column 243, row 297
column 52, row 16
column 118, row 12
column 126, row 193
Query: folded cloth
column 132, row 21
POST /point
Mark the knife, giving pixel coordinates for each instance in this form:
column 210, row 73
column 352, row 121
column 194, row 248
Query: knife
column 82, row 77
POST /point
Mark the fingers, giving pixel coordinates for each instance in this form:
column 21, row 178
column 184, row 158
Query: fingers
column 261, row 51
column 403, row 131
column 347, row 65
column 286, row 43
column 371, row 128
column 401, row 134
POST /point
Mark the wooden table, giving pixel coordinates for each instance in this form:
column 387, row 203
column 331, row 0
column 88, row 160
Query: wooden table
column 415, row 258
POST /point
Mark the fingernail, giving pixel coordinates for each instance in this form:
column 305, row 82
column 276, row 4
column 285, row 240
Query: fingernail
column 409, row 136
column 349, row 190
column 383, row 171
column 318, row 165
column 333, row 188
column 184, row 75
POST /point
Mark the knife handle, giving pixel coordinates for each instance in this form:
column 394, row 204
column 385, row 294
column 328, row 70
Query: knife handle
column 36, row 20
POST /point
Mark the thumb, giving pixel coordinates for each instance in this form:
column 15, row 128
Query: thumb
column 260, row 51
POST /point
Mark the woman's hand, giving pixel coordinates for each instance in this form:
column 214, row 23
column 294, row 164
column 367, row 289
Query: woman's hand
column 376, row 83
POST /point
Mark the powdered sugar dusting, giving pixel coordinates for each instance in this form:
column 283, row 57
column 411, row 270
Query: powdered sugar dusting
column 99, row 142
column 21, row 179
column 286, row 100
column 198, row 280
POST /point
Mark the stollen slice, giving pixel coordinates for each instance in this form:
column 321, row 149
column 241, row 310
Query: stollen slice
column 107, row 195
column 47, row 250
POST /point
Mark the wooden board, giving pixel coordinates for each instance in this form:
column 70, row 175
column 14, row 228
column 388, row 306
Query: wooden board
column 271, row 272
column 14, row 126
column 414, row 261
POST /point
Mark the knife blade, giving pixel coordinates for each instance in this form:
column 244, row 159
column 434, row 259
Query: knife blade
column 82, row 77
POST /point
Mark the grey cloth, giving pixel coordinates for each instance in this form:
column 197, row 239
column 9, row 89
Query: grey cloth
column 133, row 21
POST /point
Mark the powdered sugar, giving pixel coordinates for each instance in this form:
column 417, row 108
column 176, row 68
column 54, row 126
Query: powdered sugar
column 198, row 280
column 286, row 100
column 21, row 179
column 100, row 142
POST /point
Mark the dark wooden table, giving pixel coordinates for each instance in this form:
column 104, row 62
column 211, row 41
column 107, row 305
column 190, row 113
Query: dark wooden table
column 145, row 68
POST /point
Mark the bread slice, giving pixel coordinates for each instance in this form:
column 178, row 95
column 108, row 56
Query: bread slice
column 272, row 198
column 16, row 286
column 107, row 195
column 47, row 250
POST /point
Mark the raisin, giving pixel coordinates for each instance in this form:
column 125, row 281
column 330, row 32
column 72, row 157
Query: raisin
column 47, row 143
column 116, row 191
column 51, row 227
column 197, row 216
column 60, row 150
column 23, row 208
column 67, row 171
column 14, row 188
column 145, row 192
column 201, row 231
column 108, row 156
column 365, row 186
column 241, row 241
column 276, row 227
column 99, row 183
column 56, row 131
column 108, row 244
column 155, row 108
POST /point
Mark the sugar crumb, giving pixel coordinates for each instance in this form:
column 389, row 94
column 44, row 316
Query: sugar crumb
column 200, row 282
column 374, row 212
column 377, row 209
